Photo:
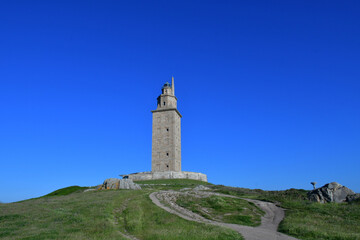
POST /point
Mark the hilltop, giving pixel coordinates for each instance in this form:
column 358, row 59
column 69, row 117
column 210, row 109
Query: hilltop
column 71, row 213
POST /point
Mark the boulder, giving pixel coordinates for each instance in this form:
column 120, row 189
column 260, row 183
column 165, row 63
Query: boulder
column 354, row 197
column 115, row 183
column 201, row 188
column 331, row 192
column 90, row 189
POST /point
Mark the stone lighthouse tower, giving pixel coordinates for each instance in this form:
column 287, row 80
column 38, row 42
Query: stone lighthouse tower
column 166, row 141
column 166, row 132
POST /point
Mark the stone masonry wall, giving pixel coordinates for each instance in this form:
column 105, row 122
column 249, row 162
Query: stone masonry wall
column 166, row 141
column 166, row 175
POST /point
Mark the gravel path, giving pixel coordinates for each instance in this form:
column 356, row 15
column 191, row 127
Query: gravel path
column 266, row 231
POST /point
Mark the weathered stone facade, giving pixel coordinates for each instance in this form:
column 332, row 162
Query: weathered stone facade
column 142, row 176
column 115, row 183
column 166, row 132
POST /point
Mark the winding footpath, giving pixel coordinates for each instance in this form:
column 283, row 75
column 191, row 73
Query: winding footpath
column 266, row 231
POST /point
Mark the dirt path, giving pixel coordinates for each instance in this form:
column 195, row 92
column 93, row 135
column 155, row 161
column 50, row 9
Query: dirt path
column 266, row 231
column 125, row 234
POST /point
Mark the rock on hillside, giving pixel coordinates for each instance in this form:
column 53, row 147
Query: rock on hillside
column 115, row 183
column 354, row 197
column 331, row 192
column 201, row 188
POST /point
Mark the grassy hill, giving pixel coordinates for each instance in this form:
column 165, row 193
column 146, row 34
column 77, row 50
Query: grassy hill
column 307, row 220
column 66, row 191
column 69, row 213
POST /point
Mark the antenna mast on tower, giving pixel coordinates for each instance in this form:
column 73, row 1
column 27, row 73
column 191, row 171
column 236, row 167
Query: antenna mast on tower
column 173, row 85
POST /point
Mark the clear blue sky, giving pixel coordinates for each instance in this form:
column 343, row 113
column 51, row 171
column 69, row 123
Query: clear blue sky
column 269, row 91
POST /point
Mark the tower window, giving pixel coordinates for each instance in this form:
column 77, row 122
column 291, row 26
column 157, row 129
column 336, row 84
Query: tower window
column 164, row 103
column 167, row 129
column 167, row 154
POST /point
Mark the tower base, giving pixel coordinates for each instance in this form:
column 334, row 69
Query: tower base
column 141, row 176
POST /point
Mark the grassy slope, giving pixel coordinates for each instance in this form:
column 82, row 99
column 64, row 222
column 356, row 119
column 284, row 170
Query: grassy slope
column 99, row 215
column 69, row 214
column 66, row 191
column 146, row 221
column 74, row 216
column 315, row 221
column 306, row 220
column 224, row 209
column 174, row 184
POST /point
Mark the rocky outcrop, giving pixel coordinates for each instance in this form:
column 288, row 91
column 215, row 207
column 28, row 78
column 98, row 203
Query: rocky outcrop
column 90, row 189
column 354, row 197
column 201, row 188
column 331, row 192
column 115, row 183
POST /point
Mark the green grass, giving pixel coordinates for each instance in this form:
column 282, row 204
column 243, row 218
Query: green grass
column 316, row 221
column 271, row 196
column 174, row 184
column 99, row 215
column 66, row 191
column 69, row 213
column 144, row 220
column 225, row 209
column 307, row 220
column 74, row 216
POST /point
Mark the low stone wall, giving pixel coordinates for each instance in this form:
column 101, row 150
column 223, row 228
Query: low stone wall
column 166, row 175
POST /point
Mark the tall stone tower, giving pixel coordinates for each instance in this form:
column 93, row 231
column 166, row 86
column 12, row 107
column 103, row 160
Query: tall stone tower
column 166, row 141
column 166, row 132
